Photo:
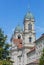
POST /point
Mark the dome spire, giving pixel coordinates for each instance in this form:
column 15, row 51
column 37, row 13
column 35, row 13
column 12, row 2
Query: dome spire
column 18, row 28
column 29, row 16
column 28, row 8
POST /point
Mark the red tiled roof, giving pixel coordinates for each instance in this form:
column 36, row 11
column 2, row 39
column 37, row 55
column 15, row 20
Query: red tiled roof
column 32, row 49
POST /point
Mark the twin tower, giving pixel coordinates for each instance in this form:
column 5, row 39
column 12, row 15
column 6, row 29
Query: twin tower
column 23, row 40
column 28, row 32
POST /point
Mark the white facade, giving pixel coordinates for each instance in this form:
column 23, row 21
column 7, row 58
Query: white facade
column 22, row 56
column 36, row 54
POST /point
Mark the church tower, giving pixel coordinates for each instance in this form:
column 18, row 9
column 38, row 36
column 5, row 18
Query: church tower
column 28, row 35
column 23, row 40
column 29, row 31
column 16, row 50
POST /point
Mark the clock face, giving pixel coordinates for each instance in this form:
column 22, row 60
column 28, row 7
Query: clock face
column 29, row 26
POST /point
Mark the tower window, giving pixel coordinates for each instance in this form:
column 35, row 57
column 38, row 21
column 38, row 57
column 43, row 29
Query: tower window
column 19, row 36
column 30, row 39
column 29, row 26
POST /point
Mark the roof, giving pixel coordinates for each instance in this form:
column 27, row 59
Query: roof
column 34, row 62
column 29, row 15
column 18, row 28
column 31, row 49
column 41, row 37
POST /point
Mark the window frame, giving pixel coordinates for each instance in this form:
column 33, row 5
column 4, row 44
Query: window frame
column 30, row 39
column 29, row 26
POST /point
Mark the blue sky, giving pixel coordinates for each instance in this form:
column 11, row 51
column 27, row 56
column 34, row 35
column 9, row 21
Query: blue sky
column 12, row 13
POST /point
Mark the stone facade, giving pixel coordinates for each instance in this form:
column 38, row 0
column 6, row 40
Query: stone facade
column 34, row 55
column 25, row 47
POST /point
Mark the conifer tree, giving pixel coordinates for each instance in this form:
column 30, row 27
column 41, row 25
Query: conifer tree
column 4, row 50
column 42, row 59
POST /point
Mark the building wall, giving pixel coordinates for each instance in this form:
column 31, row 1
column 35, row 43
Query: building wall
column 20, row 56
column 29, row 32
column 33, row 56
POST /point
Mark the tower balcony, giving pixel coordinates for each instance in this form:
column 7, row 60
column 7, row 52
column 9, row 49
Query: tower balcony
column 28, row 31
column 29, row 45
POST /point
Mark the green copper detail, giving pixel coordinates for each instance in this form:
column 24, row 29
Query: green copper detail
column 18, row 28
column 29, row 15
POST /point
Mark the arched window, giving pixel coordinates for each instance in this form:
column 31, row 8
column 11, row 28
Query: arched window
column 19, row 36
column 30, row 26
column 30, row 39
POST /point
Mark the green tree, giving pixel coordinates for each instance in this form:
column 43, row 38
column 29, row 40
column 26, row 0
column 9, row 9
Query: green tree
column 42, row 59
column 4, row 50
